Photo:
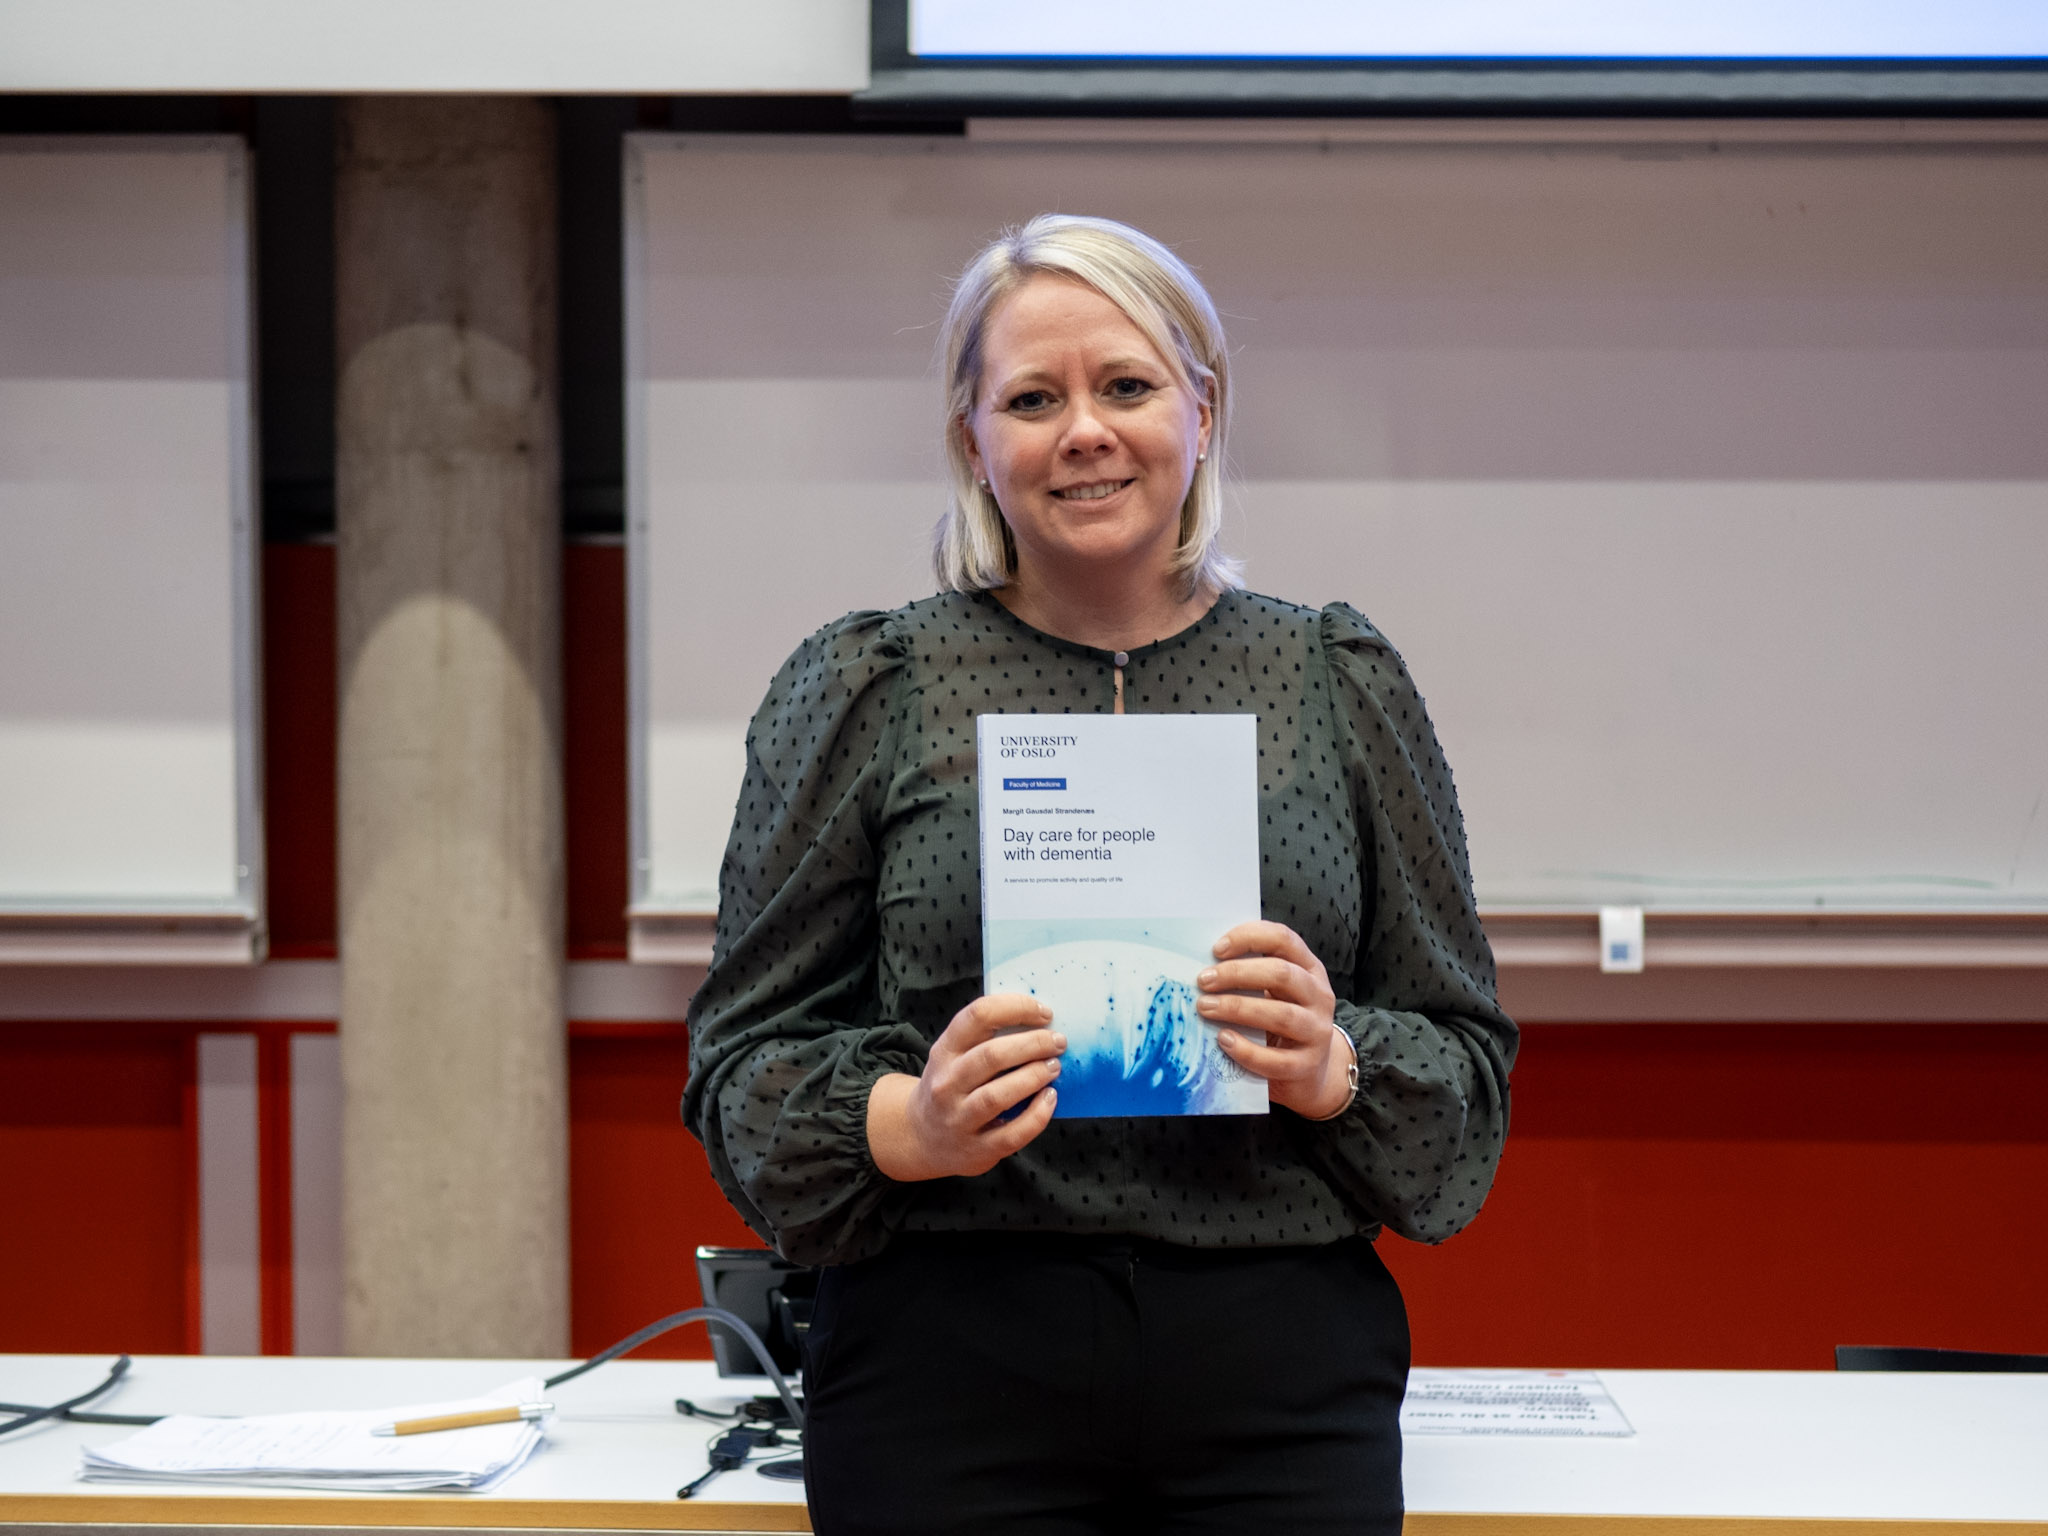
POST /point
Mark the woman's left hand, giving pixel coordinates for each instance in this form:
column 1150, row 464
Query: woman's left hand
column 1305, row 1061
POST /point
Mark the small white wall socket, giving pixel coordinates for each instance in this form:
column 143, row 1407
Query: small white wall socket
column 1621, row 939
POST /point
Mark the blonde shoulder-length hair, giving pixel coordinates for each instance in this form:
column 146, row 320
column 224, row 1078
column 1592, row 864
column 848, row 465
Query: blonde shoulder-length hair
column 971, row 548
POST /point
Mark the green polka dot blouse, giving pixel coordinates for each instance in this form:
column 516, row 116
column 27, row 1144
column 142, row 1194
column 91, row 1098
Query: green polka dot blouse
column 849, row 933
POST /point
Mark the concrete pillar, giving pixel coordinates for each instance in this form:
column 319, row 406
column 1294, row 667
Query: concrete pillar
column 453, row 1051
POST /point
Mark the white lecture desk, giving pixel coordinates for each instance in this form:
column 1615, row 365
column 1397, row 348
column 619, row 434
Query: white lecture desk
column 1716, row 1453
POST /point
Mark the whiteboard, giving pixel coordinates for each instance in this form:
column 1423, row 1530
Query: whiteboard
column 1703, row 485
column 129, row 808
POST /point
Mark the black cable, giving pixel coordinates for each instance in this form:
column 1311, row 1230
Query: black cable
column 31, row 1414
column 728, row 1453
column 63, row 1410
column 730, row 1322
column 690, row 1410
column 74, row 1416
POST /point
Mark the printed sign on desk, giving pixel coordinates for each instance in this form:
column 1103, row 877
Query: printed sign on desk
column 1567, row 1403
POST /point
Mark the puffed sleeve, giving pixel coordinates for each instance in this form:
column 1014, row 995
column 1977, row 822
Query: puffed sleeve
column 1420, row 1142
column 785, row 1037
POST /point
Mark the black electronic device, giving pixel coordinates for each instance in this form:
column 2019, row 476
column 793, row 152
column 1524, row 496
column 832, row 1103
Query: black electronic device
column 770, row 1294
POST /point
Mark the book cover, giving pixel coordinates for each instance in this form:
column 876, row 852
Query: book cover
column 1115, row 851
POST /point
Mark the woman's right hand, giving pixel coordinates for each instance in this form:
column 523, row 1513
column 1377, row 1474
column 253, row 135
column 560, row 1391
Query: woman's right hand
column 997, row 1053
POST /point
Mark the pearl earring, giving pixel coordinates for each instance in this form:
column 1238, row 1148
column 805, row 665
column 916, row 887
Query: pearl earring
column 1202, row 457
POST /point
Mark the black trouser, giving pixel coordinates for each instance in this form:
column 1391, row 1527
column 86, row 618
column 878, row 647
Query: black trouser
column 1007, row 1385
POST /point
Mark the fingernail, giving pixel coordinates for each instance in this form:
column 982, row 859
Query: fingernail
column 1059, row 1041
column 1227, row 1038
column 1222, row 948
column 1207, row 978
column 1055, row 1067
column 1052, row 1095
column 1045, row 1010
column 1205, row 1005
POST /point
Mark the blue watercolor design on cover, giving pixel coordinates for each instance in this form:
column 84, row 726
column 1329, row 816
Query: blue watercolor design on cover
column 1135, row 1045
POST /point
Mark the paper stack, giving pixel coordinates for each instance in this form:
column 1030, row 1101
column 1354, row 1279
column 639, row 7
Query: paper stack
column 327, row 1450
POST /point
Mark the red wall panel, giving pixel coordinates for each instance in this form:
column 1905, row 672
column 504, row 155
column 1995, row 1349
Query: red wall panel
column 1752, row 1196
column 1673, row 1196
column 97, row 1202
column 641, row 1197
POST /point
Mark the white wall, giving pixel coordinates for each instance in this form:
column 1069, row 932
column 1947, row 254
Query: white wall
column 654, row 47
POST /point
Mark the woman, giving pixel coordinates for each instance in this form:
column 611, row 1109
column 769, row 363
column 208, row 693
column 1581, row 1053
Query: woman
column 1082, row 1325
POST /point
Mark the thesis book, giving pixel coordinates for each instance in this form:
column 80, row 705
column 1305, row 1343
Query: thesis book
column 1115, row 851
